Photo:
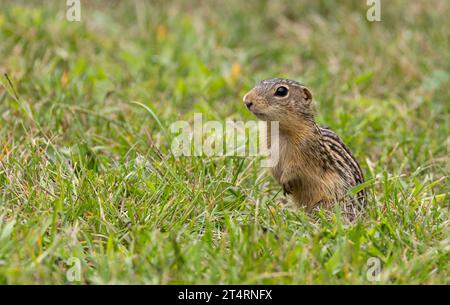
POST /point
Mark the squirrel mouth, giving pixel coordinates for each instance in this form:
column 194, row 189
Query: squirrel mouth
column 260, row 115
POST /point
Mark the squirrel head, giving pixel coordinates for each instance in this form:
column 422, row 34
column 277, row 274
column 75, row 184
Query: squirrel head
column 282, row 100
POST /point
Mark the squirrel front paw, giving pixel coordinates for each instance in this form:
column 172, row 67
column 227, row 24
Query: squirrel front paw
column 287, row 180
column 287, row 188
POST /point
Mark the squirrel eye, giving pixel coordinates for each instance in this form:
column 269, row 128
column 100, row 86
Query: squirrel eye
column 281, row 91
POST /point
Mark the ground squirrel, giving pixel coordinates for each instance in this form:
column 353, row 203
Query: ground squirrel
column 315, row 167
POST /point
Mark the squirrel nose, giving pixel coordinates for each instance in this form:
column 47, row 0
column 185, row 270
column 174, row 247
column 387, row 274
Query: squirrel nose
column 247, row 102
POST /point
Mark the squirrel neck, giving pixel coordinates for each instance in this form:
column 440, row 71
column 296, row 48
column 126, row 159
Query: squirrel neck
column 303, row 141
column 300, row 134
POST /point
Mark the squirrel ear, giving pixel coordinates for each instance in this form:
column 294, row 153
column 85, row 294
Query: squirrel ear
column 307, row 95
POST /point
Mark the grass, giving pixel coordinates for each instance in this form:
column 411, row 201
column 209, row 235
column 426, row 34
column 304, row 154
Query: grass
column 86, row 173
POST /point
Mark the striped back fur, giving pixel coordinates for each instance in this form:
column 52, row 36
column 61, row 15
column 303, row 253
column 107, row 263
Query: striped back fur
column 343, row 161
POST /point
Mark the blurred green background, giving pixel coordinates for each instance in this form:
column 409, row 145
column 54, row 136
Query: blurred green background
column 85, row 173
